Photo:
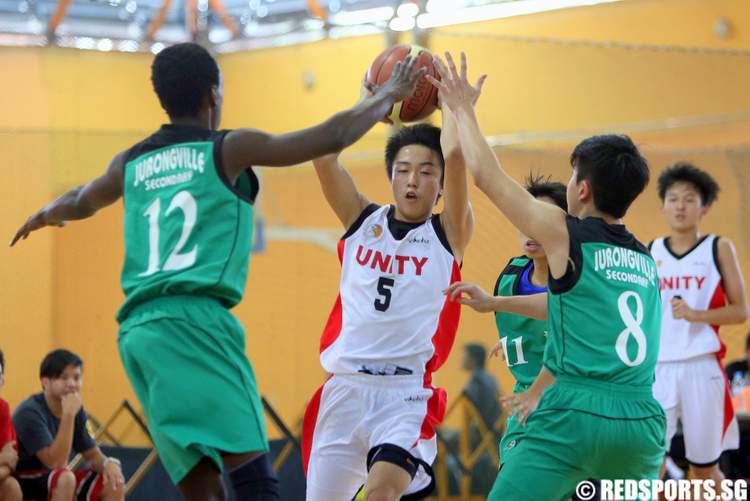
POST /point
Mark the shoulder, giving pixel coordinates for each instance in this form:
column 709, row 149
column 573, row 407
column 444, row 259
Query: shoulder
column 357, row 224
column 31, row 408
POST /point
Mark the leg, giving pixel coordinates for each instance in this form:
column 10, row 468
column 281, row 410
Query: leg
column 10, row 490
column 64, row 486
column 386, row 482
column 252, row 476
column 707, row 472
column 203, row 483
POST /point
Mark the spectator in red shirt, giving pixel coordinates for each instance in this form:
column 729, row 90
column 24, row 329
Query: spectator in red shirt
column 9, row 488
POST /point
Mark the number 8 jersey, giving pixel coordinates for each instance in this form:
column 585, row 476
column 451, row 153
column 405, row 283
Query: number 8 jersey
column 187, row 230
column 605, row 311
column 391, row 316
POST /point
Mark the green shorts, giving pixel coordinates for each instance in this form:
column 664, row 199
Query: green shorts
column 185, row 357
column 513, row 430
column 583, row 429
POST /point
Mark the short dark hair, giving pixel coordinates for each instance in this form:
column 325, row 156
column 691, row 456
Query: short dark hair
column 423, row 134
column 2, row 362
column 56, row 362
column 543, row 186
column 747, row 342
column 689, row 173
column 182, row 76
column 477, row 352
column 617, row 171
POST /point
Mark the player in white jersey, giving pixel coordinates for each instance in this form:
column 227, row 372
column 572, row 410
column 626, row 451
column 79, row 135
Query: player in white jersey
column 373, row 421
column 702, row 288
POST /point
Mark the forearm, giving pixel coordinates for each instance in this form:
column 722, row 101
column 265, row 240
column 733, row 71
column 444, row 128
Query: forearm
column 544, row 380
column 348, row 126
column 726, row 315
column 533, row 306
column 58, row 453
column 96, row 460
column 480, row 158
column 68, row 207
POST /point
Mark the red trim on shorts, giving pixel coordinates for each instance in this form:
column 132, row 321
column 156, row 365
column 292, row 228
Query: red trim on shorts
column 442, row 340
column 308, row 426
column 52, row 481
column 333, row 326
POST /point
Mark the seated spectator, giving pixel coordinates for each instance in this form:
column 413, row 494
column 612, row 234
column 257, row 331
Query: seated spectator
column 9, row 488
column 739, row 368
column 51, row 428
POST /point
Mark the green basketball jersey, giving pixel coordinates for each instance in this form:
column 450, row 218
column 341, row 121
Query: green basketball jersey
column 604, row 313
column 187, row 230
column 522, row 338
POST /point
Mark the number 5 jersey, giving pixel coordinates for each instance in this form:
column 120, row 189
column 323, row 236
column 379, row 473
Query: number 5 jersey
column 391, row 316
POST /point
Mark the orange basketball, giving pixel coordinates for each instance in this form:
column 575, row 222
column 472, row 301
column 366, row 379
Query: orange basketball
column 424, row 100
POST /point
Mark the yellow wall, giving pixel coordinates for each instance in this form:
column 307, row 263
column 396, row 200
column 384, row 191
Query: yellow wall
column 66, row 112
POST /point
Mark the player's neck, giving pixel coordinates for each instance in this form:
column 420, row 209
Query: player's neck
column 682, row 240
column 399, row 216
column 197, row 121
column 54, row 405
column 540, row 274
column 590, row 210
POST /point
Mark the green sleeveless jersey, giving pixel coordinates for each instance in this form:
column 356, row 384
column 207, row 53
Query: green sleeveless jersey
column 604, row 313
column 522, row 338
column 187, row 230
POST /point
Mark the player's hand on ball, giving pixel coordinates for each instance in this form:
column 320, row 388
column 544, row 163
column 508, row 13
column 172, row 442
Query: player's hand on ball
column 35, row 222
column 454, row 87
column 471, row 295
column 403, row 80
column 522, row 405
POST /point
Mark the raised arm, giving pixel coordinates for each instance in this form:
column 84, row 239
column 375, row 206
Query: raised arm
column 736, row 310
column 457, row 216
column 78, row 203
column 542, row 221
column 339, row 189
column 246, row 147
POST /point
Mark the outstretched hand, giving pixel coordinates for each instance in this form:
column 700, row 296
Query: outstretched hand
column 454, row 87
column 471, row 295
column 403, row 79
column 33, row 223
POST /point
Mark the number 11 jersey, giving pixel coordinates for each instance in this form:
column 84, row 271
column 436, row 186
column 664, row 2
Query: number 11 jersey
column 188, row 231
column 391, row 317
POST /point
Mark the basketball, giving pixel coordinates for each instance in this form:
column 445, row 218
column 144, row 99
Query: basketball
column 423, row 102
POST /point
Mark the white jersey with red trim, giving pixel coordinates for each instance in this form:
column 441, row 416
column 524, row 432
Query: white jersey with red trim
column 391, row 316
column 696, row 278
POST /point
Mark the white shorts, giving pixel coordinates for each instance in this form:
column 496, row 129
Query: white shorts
column 696, row 393
column 350, row 415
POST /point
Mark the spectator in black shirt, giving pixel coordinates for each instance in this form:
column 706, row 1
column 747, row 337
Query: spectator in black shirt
column 51, row 428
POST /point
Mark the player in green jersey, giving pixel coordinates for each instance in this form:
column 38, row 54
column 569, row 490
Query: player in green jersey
column 594, row 412
column 522, row 339
column 188, row 192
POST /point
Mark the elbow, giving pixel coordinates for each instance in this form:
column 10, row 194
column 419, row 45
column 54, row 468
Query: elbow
column 744, row 314
column 480, row 180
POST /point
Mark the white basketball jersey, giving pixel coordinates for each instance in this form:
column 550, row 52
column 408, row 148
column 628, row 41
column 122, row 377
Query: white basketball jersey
column 391, row 316
column 695, row 277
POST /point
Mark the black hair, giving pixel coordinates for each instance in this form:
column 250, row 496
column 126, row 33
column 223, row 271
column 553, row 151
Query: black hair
column 182, row 76
column 56, row 362
column 423, row 134
column 689, row 173
column 2, row 362
column 615, row 168
column 747, row 342
column 541, row 186
column 477, row 352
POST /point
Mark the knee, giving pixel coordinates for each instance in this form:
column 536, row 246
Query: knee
column 66, row 483
column 10, row 490
column 381, row 493
column 705, row 473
